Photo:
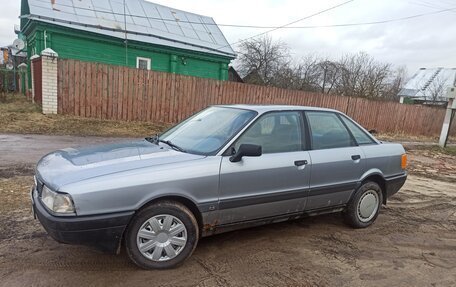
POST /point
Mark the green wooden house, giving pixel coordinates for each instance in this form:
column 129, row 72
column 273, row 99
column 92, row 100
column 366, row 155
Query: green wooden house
column 134, row 33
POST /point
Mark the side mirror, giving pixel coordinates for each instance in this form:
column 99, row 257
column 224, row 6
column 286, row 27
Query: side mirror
column 246, row 150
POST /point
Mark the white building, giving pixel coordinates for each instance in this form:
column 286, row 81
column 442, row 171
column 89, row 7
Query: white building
column 429, row 86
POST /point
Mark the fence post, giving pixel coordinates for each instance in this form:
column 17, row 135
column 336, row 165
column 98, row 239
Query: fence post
column 49, row 80
column 23, row 76
column 31, row 74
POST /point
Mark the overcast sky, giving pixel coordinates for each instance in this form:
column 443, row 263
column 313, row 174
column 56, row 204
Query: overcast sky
column 428, row 41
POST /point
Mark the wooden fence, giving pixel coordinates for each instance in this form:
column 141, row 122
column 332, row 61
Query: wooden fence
column 121, row 93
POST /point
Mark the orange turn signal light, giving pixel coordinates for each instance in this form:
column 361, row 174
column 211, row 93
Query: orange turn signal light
column 404, row 161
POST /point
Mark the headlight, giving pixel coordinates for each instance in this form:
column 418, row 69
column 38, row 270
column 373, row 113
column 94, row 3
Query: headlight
column 57, row 202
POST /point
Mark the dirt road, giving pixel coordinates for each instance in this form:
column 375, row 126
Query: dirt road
column 412, row 243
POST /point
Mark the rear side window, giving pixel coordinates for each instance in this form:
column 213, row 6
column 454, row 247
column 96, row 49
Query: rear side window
column 360, row 136
column 327, row 131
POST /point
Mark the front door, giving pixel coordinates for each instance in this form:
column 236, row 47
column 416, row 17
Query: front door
column 336, row 161
column 272, row 184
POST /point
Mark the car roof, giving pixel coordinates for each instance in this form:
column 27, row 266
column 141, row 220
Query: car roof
column 268, row 108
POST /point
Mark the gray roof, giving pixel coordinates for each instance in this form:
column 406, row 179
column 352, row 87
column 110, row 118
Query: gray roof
column 424, row 80
column 146, row 22
column 268, row 108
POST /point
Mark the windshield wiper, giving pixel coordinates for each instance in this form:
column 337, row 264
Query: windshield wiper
column 178, row 148
column 153, row 139
column 156, row 139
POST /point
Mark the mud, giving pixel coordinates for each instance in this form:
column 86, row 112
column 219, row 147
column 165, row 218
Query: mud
column 412, row 243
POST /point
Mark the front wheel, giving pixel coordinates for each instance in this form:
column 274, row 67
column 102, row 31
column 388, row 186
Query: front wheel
column 364, row 206
column 161, row 235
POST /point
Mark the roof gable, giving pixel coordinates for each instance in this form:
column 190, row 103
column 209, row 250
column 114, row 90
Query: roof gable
column 425, row 80
column 145, row 22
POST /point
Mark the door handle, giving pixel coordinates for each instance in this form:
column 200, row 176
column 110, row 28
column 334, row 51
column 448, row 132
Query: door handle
column 356, row 157
column 300, row 162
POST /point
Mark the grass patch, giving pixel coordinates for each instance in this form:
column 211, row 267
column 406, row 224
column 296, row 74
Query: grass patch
column 18, row 115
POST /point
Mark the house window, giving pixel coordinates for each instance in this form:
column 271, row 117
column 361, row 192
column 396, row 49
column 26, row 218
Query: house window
column 143, row 63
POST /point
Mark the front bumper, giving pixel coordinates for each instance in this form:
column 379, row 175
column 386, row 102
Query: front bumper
column 394, row 184
column 103, row 232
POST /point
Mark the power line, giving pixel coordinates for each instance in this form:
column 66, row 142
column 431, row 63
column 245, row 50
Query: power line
column 429, row 5
column 126, row 34
column 262, row 26
column 379, row 22
column 288, row 24
column 273, row 28
column 176, row 20
column 229, row 44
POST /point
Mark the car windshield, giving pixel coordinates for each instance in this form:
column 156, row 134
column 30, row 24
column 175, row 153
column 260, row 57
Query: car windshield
column 207, row 131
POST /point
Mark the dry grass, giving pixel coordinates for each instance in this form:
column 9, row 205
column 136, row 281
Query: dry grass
column 18, row 115
column 436, row 150
column 15, row 193
column 405, row 137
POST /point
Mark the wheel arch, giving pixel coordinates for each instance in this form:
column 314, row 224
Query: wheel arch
column 190, row 204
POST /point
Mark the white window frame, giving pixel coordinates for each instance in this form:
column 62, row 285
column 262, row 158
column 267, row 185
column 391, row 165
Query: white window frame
column 148, row 60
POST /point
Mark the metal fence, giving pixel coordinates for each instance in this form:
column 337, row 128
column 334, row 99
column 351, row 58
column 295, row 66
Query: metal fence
column 121, row 93
column 13, row 80
column 8, row 80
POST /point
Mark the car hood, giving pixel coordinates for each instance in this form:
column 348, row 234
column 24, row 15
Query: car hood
column 71, row 165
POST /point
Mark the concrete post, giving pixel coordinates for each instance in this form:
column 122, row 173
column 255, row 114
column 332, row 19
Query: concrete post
column 49, row 74
column 446, row 122
column 23, row 73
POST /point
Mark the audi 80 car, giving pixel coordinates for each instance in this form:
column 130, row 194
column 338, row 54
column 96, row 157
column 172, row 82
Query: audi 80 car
column 224, row 168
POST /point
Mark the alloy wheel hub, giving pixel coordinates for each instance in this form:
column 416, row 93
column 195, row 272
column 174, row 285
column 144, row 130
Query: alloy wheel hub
column 161, row 237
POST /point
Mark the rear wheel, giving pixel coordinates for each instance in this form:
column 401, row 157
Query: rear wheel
column 364, row 206
column 162, row 235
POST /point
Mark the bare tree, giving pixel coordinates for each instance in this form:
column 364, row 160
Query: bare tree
column 307, row 73
column 350, row 75
column 261, row 59
column 394, row 84
column 362, row 76
column 265, row 62
column 436, row 89
column 328, row 75
column 285, row 77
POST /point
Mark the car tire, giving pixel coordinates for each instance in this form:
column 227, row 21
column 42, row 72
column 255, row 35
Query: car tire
column 364, row 206
column 151, row 240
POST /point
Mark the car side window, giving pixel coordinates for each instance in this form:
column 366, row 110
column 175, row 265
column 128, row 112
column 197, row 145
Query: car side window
column 360, row 136
column 327, row 131
column 276, row 132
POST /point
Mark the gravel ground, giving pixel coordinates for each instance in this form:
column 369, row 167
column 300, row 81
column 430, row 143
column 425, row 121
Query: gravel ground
column 412, row 243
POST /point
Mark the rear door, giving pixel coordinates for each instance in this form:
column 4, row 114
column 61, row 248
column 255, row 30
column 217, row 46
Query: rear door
column 275, row 183
column 337, row 161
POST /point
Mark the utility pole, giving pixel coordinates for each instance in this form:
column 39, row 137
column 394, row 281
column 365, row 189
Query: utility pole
column 126, row 35
column 449, row 115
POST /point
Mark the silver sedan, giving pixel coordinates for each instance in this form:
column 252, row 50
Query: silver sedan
column 224, row 168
